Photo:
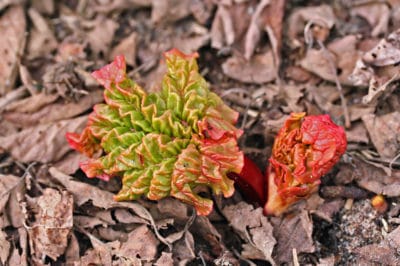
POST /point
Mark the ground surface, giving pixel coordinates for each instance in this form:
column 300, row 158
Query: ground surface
column 266, row 59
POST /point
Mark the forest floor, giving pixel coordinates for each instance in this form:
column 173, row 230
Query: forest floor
column 265, row 59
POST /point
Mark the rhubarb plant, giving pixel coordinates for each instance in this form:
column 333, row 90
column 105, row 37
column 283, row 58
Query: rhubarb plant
column 161, row 144
column 305, row 149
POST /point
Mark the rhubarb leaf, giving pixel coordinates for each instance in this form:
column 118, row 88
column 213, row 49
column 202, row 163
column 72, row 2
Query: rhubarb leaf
column 165, row 143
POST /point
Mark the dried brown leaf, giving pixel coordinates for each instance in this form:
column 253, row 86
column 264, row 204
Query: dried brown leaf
column 256, row 26
column 386, row 52
column 141, row 243
column 293, row 232
column 5, row 247
column 13, row 207
column 100, row 198
column 32, row 103
column 222, row 31
column 88, row 221
column 321, row 15
column 357, row 133
column 41, row 38
column 259, row 69
column 184, row 250
column 376, row 180
column 44, row 6
column 101, row 34
column 19, row 257
column 5, row 3
column 72, row 250
column 55, row 111
column 377, row 15
column 69, row 163
column 230, row 23
column 116, row 5
column 254, row 228
column 125, row 217
column 48, row 234
column 12, row 30
column 338, row 60
column 384, row 133
column 126, row 47
column 43, row 143
column 166, row 11
column 165, row 260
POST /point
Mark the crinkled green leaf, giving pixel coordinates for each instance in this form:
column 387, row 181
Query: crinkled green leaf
column 162, row 144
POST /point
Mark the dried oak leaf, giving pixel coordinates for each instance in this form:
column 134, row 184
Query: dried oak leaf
column 293, row 232
column 12, row 30
column 48, row 234
column 384, row 133
column 254, row 229
column 43, row 143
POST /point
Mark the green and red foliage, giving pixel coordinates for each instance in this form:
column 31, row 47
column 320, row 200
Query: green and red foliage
column 165, row 143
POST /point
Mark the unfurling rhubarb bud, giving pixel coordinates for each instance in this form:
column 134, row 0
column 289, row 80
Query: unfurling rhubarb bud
column 165, row 143
column 305, row 149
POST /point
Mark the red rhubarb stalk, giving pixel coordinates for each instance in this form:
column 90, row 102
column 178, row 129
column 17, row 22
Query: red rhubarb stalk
column 251, row 182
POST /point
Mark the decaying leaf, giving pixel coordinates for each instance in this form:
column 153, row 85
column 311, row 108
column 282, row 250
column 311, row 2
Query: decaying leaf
column 384, row 133
column 293, row 232
column 41, row 39
column 5, row 247
column 32, row 103
column 165, row 260
column 53, row 112
column 376, row 180
column 101, row 34
column 337, row 61
column 127, row 48
column 48, row 234
column 377, row 15
column 259, row 69
column 254, row 229
column 43, row 143
column 169, row 10
column 184, row 250
column 12, row 30
column 321, row 16
column 141, row 243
